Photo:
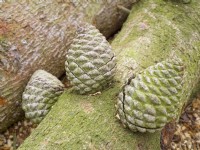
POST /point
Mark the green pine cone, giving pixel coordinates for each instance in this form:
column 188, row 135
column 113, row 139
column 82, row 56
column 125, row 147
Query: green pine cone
column 90, row 63
column 40, row 94
column 152, row 98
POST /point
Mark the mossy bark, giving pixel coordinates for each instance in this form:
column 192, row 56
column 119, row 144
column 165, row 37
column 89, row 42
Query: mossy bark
column 154, row 31
column 36, row 35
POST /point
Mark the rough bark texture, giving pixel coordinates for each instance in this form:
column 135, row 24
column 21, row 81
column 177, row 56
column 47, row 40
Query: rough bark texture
column 154, row 31
column 36, row 35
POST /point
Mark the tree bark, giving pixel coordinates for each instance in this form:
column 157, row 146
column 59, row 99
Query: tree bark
column 154, row 31
column 36, row 35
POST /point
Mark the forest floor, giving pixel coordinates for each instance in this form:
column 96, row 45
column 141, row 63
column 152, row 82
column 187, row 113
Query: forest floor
column 186, row 134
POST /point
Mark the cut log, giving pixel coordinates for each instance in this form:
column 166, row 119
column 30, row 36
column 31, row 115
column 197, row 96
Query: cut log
column 36, row 35
column 154, row 31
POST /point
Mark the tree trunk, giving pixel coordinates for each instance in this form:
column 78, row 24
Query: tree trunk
column 36, row 35
column 154, row 31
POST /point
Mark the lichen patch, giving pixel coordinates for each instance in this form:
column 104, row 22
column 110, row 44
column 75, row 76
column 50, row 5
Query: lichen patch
column 87, row 107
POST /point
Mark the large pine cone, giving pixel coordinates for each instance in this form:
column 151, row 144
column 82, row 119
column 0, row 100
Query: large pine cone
column 90, row 63
column 41, row 92
column 152, row 98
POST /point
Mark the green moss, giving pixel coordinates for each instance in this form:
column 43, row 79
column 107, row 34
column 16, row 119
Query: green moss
column 149, row 35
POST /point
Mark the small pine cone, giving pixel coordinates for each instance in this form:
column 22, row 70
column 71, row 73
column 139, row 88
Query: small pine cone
column 152, row 98
column 90, row 63
column 40, row 94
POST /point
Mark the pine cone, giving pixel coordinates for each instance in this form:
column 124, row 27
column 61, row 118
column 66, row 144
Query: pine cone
column 90, row 63
column 152, row 98
column 40, row 94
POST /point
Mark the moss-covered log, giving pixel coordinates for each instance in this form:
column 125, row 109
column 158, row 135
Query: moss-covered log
column 36, row 35
column 154, row 31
